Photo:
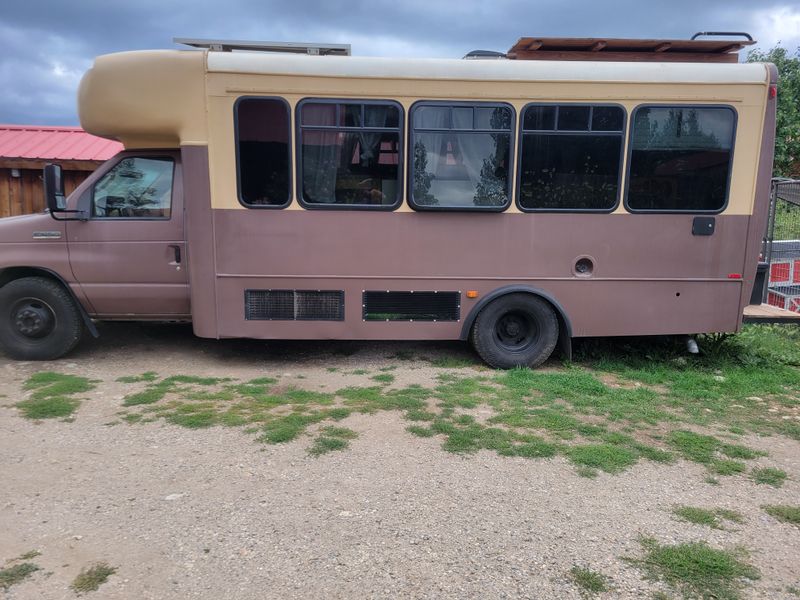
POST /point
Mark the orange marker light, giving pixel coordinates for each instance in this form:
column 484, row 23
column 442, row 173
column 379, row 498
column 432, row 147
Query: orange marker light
column 472, row 293
column 734, row 275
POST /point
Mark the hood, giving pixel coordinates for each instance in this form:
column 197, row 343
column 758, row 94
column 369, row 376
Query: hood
column 40, row 227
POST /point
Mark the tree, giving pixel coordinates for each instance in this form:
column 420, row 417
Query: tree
column 787, row 138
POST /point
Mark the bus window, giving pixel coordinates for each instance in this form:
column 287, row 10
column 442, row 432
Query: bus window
column 136, row 187
column 350, row 154
column 571, row 157
column 680, row 159
column 262, row 135
column 461, row 156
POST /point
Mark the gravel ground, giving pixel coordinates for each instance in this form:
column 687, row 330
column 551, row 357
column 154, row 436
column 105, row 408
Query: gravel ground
column 213, row 514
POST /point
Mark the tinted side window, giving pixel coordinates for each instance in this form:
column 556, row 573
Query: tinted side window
column 571, row 157
column 350, row 153
column 135, row 187
column 680, row 158
column 262, row 137
column 461, row 155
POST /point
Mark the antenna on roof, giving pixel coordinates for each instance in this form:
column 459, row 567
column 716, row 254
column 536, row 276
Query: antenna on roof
column 292, row 47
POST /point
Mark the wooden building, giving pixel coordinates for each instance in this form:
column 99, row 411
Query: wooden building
column 26, row 149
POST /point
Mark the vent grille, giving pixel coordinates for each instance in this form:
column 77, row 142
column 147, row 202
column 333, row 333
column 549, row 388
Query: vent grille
column 412, row 306
column 294, row 305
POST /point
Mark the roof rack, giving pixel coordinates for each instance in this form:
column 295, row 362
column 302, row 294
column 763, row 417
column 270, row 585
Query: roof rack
column 292, row 47
column 633, row 50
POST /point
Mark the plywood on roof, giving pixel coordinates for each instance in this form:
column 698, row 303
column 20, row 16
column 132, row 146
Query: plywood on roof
column 619, row 49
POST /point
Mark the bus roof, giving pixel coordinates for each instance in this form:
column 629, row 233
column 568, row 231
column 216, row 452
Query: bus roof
column 482, row 70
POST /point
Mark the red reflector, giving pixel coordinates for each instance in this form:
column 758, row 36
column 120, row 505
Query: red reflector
column 773, row 91
column 734, row 275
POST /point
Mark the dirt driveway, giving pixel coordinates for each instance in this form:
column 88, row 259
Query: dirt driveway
column 198, row 504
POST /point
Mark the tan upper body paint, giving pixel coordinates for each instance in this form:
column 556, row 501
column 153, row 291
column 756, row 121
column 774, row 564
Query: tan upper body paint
column 170, row 98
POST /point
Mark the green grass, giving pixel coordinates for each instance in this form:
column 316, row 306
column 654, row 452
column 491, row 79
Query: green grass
column 15, row 574
column 453, row 362
column 147, row 376
column 52, row 395
column 617, row 404
column 605, row 457
column 708, row 517
column 589, row 582
column 784, row 512
column 30, row 554
column 710, row 451
column 331, row 439
column 768, row 476
column 695, row 569
column 92, row 577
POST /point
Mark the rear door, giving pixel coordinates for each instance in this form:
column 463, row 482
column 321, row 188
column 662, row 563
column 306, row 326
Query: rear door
column 129, row 256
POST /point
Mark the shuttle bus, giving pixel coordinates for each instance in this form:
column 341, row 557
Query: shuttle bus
column 516, row 204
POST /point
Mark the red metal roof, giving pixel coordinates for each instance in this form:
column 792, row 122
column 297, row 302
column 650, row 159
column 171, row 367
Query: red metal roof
column 54, row 143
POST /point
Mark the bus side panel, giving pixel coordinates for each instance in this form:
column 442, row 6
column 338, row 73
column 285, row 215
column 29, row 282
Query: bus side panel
column 199, row 230
column 651, row 275
column 758, row 220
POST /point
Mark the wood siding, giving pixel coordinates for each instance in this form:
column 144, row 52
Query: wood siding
column 25, row 194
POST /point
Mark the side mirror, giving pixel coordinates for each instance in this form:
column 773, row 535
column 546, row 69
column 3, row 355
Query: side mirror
column 54, row 189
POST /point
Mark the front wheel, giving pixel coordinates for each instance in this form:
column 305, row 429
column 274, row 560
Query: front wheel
column 516, row 330
column 39, row 320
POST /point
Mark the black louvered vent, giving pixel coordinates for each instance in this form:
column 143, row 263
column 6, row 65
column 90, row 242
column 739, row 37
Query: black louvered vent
column 412, row 306
column 294, row 305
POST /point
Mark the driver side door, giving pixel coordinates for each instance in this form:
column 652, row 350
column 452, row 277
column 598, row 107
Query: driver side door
column 129, row 256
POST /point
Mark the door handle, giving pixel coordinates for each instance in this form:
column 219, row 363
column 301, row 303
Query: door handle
column 177, row 250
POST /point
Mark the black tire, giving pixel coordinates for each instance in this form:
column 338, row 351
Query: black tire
column 39, row 320
column 516, row 330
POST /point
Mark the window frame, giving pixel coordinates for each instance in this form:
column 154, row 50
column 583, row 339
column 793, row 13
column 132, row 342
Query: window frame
column 135, row 154
column 336, row 128
column 629, row 155
column 623, row 135
column 288, row 157
column 469, row 104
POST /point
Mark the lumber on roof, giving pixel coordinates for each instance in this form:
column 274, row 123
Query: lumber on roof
column 628, row 50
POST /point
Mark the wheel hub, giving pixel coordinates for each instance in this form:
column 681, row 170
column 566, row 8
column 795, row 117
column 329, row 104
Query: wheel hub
column 32, row 318
column 516, row 331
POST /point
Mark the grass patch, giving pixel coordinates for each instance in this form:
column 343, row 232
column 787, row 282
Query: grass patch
column 48, row 408
column 708, row 517
column 710, row 451
column 52, row 395
column 421, row 431
column 92, row 577
column 589, row 582
column 695, row 569
column 331, row 439
column 16, row 574
column 323, row 445
column 605, row 457
column 451, row 362
column 784, row 512
column 604, row 414
column 768, row 476
column 146, row 376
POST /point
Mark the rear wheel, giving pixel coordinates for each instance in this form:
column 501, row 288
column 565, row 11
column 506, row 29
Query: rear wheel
column 39, row 320
column 516, row 330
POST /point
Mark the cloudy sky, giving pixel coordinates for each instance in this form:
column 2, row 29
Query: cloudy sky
column 48, row 44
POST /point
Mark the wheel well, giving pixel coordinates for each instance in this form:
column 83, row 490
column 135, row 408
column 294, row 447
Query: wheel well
column 564, row 325
column 10, row 274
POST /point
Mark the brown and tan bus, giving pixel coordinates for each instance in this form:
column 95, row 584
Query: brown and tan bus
column 513, row 203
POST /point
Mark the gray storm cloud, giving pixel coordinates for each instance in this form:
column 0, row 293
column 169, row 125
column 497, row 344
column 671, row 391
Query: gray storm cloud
column 48, row 45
